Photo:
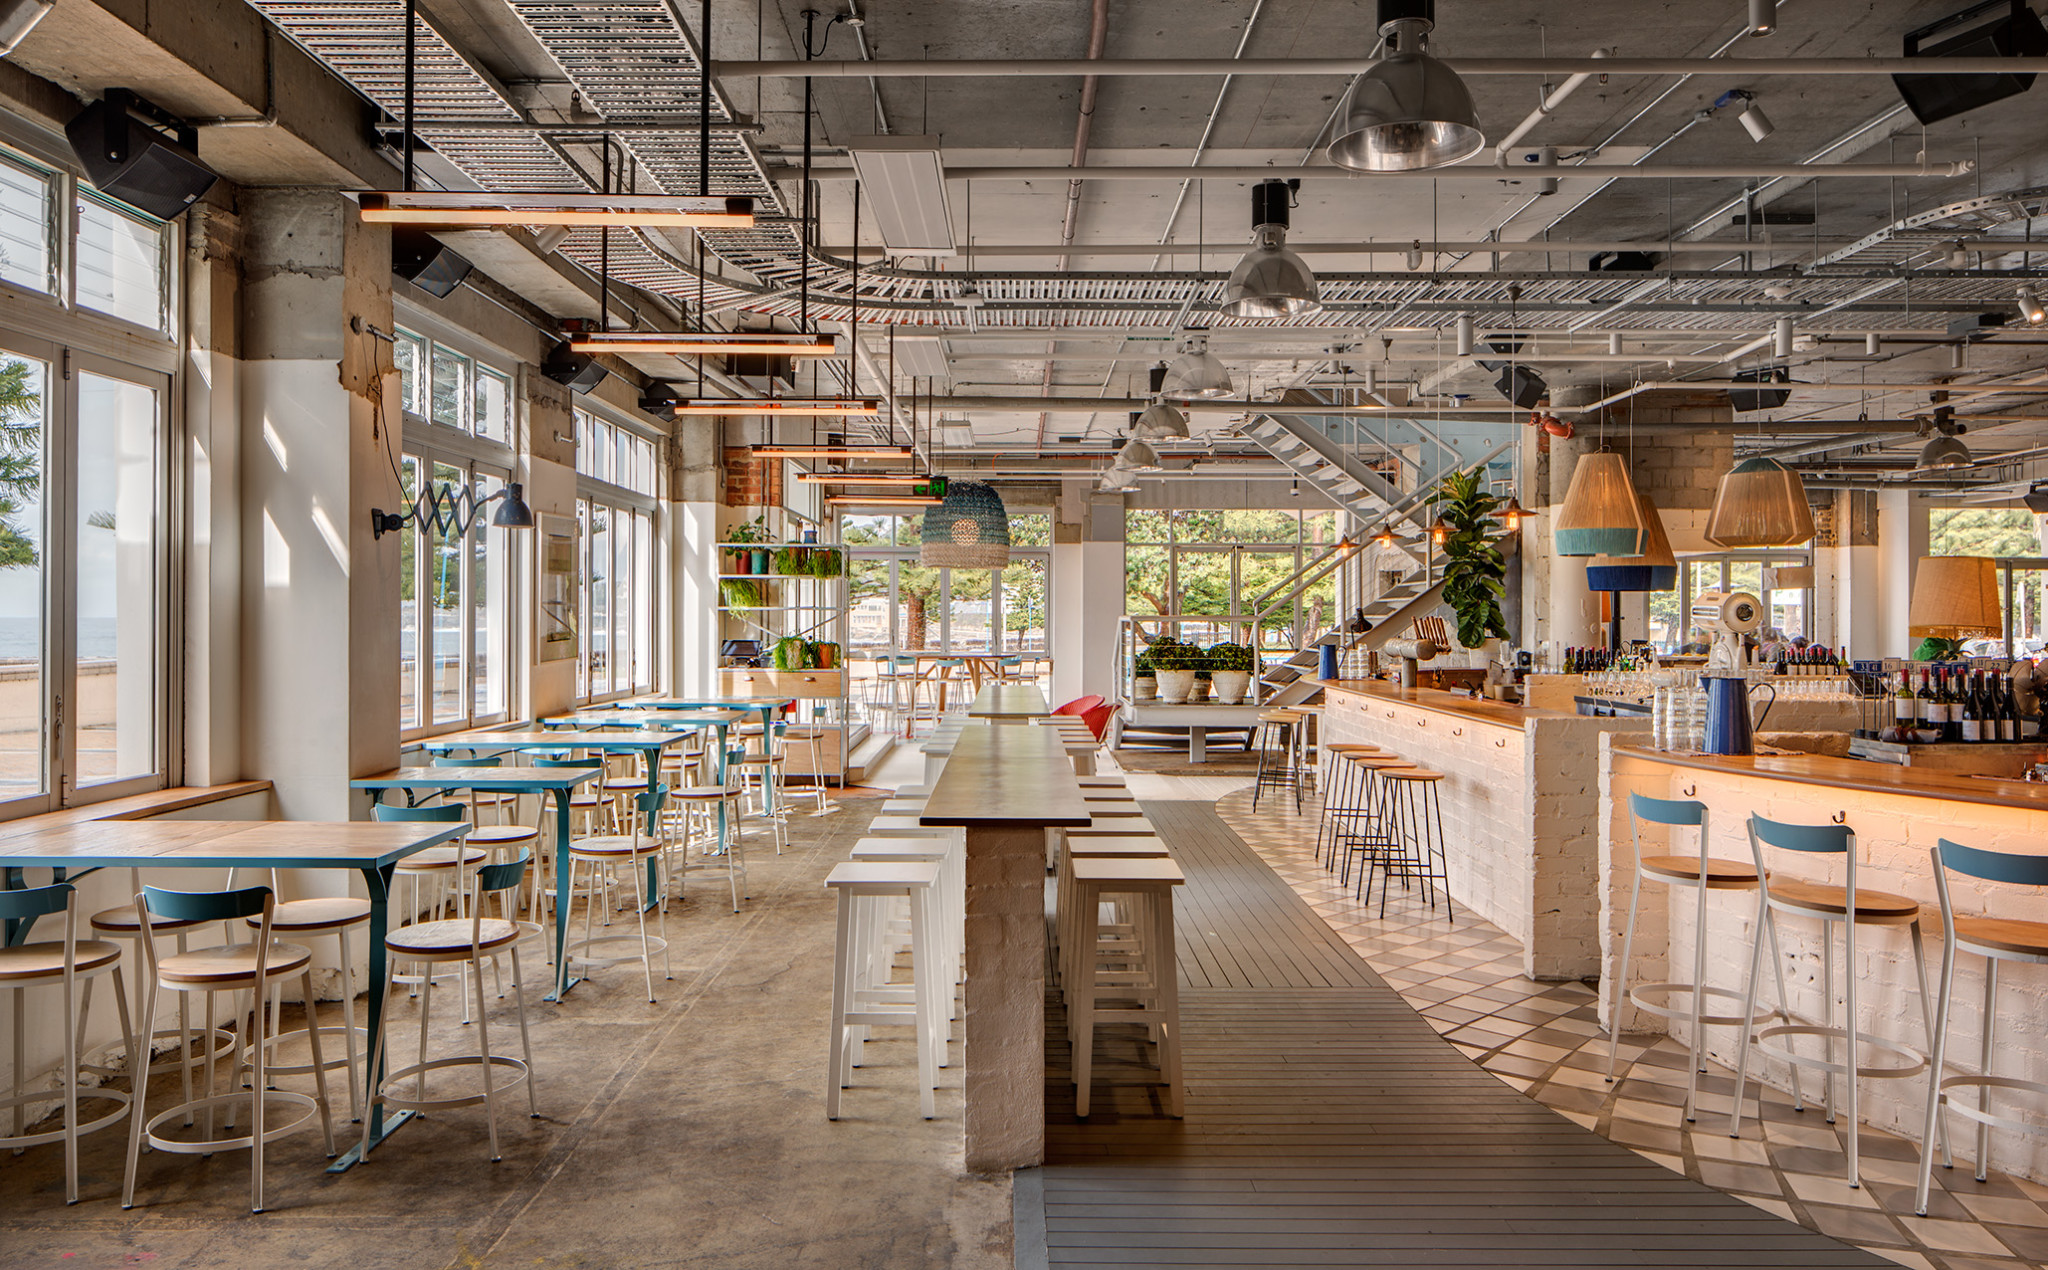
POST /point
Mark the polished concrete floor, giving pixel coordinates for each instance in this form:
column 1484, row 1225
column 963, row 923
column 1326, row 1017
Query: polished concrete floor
column 688, row 1132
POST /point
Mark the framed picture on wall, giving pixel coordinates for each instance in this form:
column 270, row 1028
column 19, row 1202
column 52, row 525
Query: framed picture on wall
column 558, row 587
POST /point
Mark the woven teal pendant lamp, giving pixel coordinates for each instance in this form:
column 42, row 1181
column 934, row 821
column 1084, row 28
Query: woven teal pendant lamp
column 970, row 530
column 1600, row 515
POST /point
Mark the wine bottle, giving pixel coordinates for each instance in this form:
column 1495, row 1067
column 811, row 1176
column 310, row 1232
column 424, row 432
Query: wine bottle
column 1905, row 711
column 1929, row 716
column 1973, row 711
column 1954, row 731
column 2009, row 727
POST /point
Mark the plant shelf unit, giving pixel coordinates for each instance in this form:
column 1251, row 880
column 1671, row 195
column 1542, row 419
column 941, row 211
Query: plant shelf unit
column 771, row 607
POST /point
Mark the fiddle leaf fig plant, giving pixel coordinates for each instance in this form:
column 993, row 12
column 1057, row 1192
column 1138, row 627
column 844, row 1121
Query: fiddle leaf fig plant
column 1475, row 569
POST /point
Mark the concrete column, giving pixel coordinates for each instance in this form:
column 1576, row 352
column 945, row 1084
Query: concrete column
column 320, row 429
column 694, row 483
column 1087, row 592
column 1901, row 541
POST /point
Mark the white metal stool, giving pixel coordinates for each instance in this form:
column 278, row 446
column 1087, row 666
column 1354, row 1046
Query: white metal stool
column 631, row 853
column 857, row 1006
column 64, row 964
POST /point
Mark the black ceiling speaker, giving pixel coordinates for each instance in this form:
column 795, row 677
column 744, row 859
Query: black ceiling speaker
column 2036, row 499
column 1522, row 386
column 580, row 371
column 1622, row 262
column 1995, row 28
column 1503, row 345
column 763, row 366
column 423, row 260
column 1972, row 328
column 139, row 153
column 1747, row 400
column 657, row 399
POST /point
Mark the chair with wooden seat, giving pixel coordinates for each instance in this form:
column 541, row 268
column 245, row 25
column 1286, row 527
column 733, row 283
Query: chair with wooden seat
column 1704, row 873
column 1339, row 793
column 1849, row 906
column 1998, row 940
column 124, row 924
column 1366, row 826
column 64, row 964
column 252, row 967
column 811, row 739
column 315, row 918
column 620, row 861
column 710, row 822
column 500, row 839
column 445, row 866
column 759, row 777
column 464, row 942
column 1415, row 850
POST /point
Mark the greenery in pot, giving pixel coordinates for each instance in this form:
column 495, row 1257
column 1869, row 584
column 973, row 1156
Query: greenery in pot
column 792, row 561
column 793, row 652
column 1237, row 657
column 740, row 593
column 826, row 562
column 1141, row 665
column 748, row 531
column 1475, row 570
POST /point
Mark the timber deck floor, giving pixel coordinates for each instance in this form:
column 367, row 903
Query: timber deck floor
column 1328, row 1124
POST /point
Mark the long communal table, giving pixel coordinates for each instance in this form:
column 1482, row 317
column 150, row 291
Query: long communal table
column 559, row 781
column 1009, row 703
column 371, row 848
column 1005, row 787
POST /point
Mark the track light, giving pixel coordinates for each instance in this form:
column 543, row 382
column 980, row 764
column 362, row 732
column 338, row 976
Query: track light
column 1958, row 256
column 1754, row 121
column 1271, row 281
column 1763, row 17
column 1410, row 111
column 1415, row 257
column 1464, row 329
column 1197, row 372
column 1781, row 338
column 2030, row 306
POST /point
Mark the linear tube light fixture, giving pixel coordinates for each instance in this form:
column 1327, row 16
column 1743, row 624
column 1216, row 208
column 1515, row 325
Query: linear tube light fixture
column 866, row 478
column 710, row 344
column 832, row 452
column 883, row 500
column 490, row 207
column 812, row 406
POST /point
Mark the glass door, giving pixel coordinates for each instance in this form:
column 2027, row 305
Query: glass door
column 25, row 695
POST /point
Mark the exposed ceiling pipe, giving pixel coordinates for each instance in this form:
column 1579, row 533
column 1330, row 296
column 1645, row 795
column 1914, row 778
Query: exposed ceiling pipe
column 1464, row 171
column 1123, row 405
column 1098, row 37
column 1527, row 247
column 1012, row 68
column 1544, row 106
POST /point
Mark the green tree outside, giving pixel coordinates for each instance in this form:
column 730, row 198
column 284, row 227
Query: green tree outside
column 21, row 461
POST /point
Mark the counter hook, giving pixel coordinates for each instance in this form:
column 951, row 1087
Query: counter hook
column 1692, row 791
column 1840, row 818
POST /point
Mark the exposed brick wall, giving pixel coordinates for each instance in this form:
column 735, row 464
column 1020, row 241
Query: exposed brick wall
column 1894, row 835
column 751, row 481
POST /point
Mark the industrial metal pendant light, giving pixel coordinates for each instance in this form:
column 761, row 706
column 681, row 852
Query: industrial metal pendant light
column 1159, row 421
column 1137, row 456
column 1761, row 503
column 1117, row 480
column 1197, row 372
column 1409, row 112
column 1601, row 515
column 1655, row 568
column 1944, row 450
column 1271, row 281
column 969, row 530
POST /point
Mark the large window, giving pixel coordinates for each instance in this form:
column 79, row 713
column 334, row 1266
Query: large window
column 83, row 562
column 617, row 484
column 103, row 258
column 899, row 605
column 1669, row 611
column 2012, row 536
column 456, row 594
column 1216, row 566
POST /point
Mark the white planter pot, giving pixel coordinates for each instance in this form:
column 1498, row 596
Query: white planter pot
column 1199, row 691
column 1144, row 688
column 1174, row 685
column 1230, row 685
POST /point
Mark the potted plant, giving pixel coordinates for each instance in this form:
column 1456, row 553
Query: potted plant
column 740, row 593
column 749, row 559
column 1231, row 676
column 827, row 655
column 1144, row 686
column 792, row 561
column 826, row 562
column 1475, row 570
column 1175, row 665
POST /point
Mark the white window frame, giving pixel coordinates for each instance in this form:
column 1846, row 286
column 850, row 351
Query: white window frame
column 592, row 490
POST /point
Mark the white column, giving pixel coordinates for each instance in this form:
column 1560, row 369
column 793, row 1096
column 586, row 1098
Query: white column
column 1901, row 541
column 693, row 563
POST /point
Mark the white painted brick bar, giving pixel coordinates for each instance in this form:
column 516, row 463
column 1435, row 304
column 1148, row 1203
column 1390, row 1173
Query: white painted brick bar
column 1520, row 808
column 1894, row 834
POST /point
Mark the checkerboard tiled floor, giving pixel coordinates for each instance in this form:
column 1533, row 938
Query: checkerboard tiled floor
column 1544, row 1039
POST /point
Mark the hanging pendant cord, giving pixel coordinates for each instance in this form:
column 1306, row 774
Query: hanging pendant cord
column 804, row 212
column 411, row 17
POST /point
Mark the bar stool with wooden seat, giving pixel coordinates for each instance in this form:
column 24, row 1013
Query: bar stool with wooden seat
column 464, row 942
column 1134, row 978
column 1416, row 827
column 710, row 824
column 949, row 919
column 863, row 888
column 446, row 866
column 498, row 839
column 252, row 967
column 1848, row 906
column 1997, row 940
column 313, row 918
column 812, row 738
column 1370, row 820
column 1704, row 873
column 63, row 964
column 1276, row 768
column 124, row 923
column 606, row 857
column 1340, row 792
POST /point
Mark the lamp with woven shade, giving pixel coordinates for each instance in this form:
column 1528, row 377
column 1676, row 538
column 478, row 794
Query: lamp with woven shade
column 970, row 530
column 1761, row 503
column 1600, row 515
column 1653, row 569
column 1955, row 597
